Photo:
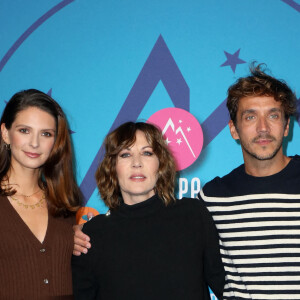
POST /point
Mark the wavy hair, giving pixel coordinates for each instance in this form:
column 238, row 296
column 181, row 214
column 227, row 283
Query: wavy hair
column 56, row 175
column 122, row 138
column 260, row 84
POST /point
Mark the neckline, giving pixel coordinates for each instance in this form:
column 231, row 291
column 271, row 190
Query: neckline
column 141, row 209
column 27, row 231
column 285, row 170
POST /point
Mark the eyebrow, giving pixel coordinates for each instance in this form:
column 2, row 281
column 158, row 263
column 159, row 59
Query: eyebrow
column 251, row 111
column 248, row 111
column 142, row 148
column 275, row 109
column 27, row 126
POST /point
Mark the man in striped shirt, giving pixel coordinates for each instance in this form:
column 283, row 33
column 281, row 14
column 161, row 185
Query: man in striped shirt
column 256, row 207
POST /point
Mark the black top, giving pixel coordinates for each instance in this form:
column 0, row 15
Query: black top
column 150, row 251
column 239, row 183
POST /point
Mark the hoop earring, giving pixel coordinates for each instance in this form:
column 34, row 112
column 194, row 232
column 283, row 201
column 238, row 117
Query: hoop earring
column 7, row 147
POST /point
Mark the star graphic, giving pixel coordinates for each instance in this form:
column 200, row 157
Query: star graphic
column 233, row 60
column 188, row 129
column 167, row 141
column 179, row 141
column 180, row 121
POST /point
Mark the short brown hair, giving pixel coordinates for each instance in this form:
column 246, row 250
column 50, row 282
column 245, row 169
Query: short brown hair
column 122, row 138
column 260, row 84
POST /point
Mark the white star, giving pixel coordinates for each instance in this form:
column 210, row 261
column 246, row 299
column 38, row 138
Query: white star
column 179, row 141
column 180, row 121
column 167, row 141
column 188, row 129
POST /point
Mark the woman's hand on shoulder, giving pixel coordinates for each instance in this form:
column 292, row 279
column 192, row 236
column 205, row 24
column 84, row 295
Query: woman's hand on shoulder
column 81, row 240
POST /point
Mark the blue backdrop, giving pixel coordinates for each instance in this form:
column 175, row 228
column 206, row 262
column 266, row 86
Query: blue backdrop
column 110, row 61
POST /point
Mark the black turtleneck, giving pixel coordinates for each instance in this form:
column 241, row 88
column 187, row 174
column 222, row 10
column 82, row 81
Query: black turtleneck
column 148, row 251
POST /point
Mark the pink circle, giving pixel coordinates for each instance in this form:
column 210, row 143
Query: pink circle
column 182, row 133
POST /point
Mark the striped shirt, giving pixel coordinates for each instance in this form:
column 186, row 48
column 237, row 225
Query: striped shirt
column 258, row 220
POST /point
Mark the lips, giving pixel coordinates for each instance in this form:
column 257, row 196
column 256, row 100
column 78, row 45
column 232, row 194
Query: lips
column 137, row 177
column 264, row 140
column 32, row 155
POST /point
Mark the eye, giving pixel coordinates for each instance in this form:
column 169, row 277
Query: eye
column 124, row 154
column 248, row 118
column 47, row 134
column 274, row 116
column 148, row 153
column 24, row 130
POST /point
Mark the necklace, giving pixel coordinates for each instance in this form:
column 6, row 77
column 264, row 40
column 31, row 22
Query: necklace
column 32, row 206
column 29, row 195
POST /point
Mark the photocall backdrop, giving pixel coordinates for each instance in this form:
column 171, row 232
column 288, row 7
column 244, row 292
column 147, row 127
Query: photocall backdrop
column 169, row 62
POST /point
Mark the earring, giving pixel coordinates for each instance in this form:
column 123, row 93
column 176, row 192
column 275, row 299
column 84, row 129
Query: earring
column 7, row 146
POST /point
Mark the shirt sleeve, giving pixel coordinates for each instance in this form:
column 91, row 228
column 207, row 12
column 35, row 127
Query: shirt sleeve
column 214, row 272
column 85, row 286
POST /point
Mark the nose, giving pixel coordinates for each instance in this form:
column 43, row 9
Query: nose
column 35, row 141
column 263, row 125
column 136, row 161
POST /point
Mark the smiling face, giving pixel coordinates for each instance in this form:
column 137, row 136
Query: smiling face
column 137, row 170
column 31, row 138
column 260, row 127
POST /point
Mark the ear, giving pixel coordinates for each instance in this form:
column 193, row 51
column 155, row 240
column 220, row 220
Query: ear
column 233, row 130
column 287, row 128
column 4, row 134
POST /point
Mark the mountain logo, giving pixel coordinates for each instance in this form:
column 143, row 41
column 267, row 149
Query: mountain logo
column 182, row 133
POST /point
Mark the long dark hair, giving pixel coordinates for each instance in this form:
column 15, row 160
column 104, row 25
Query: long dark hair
column 56, row 175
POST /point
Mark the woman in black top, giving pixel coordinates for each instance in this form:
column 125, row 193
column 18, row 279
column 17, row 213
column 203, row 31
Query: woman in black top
column 148, row 245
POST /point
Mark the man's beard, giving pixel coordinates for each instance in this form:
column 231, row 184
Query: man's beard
column 262, row 157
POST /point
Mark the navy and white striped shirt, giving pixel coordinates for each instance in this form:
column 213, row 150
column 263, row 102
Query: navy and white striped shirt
column 258, row 220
